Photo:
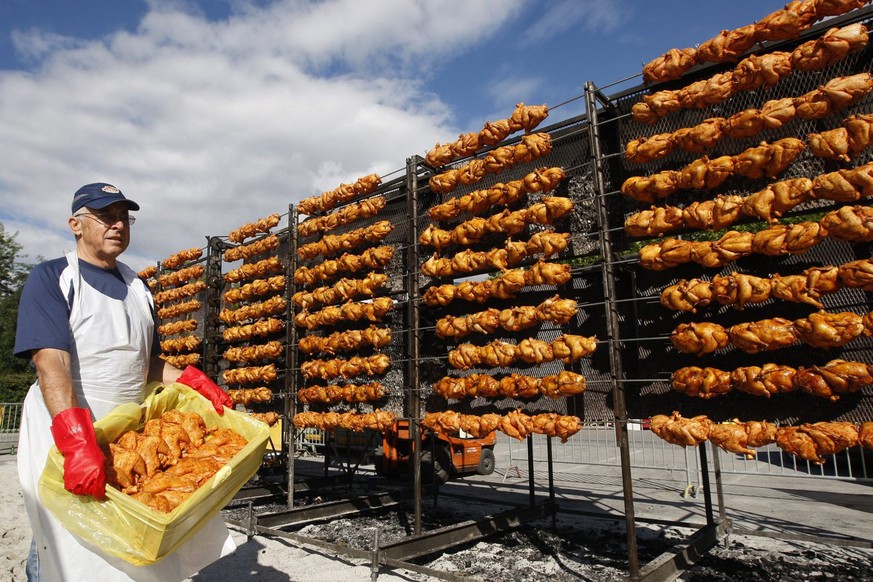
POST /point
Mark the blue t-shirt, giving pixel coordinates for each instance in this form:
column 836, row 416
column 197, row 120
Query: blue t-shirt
column 44, row 309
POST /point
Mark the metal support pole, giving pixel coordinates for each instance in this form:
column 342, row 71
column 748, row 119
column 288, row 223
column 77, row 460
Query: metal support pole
column 413, row 411
column 612, row 322
column 374, row 563
column 551, row 482
column 252, row 521
column 211, row 323
column 707, row 491
column 530, row 470
column 289, row 432
column 719, row 492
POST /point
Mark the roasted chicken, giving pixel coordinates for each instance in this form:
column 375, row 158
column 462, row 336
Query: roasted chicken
column 346, row 341
column 373, row 258
column 181, row 276
column 256, row 288
column 699, row 338
column 351, row 393
column 250, row 311
column 834, row 378
column 373, row 311
column 732, row 437
column 247, row 251
column 177, row 327
column 788, row 22
column 670, row 65
column 331, row 245
column 177, row 293
column 812, row 442
column 251, row 229
column 829, row 330
column 727, row 46
column 378, row 420
column 554, row 386
column 246, row 396
column 169, row 459
column 343, row 290
column 181, row 344
column 262, row 268
column 850, row 223
column 263, row 327
column 525, row 117
column 251, row 374
column 685, row 432
column 252, row 353
column 178, row 259
column 364, row 209
column 701, row 382
column 763, row 380
column 514, row 424
column 343, row 193
column 347, row 368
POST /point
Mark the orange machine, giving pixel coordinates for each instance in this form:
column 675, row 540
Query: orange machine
column 443, row 456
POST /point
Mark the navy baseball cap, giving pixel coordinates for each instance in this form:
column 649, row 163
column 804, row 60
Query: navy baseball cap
column 100, row 195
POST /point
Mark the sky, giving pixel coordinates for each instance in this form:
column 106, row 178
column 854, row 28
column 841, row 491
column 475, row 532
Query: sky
column 214, row 113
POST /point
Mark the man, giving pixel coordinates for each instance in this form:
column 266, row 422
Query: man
column 87, row 322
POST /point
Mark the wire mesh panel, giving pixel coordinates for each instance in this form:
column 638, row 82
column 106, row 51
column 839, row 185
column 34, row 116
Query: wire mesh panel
column 349, row 281
column 249, row 311
column 181, row 293
column 570, row 152
column 650, row 355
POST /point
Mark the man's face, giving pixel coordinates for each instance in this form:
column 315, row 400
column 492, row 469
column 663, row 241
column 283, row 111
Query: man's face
column 104, row 233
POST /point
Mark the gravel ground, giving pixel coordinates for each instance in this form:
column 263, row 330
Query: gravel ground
column 578, row 549
column 584, row 549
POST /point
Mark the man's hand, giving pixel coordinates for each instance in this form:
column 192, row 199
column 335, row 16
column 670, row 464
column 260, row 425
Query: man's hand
column 200, row 382
column 84, row 462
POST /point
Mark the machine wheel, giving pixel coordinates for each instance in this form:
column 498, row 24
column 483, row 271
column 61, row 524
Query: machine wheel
column 433, row 470
column 443, row 466
column 378, row 461
column 486, row 462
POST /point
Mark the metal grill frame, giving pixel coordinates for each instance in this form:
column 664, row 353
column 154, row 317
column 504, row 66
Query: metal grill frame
column 626, row 378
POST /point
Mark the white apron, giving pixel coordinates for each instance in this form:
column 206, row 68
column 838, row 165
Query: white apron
column 112, row 341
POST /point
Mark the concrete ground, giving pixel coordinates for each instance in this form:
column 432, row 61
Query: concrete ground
column 837, row 511
column 785, row 502
column 791, row 504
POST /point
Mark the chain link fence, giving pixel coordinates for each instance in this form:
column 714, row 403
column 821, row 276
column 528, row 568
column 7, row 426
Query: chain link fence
column 597, row 444
column 10, row 422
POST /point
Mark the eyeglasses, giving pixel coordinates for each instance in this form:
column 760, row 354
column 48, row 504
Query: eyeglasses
column 107, row 219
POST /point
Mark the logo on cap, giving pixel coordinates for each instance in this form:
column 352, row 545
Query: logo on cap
column 111, row 189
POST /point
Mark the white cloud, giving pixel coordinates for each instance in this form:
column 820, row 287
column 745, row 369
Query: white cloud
column 559, row 16
column 209, row 125
column 503, row 90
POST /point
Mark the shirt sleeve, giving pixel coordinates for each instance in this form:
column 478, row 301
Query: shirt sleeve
column 43, row 311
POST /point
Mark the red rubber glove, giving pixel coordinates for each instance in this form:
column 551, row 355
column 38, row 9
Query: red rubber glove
column 84, row 462
column 200, row 382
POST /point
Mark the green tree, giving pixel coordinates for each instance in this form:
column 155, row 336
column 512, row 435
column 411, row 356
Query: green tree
column 16, row 374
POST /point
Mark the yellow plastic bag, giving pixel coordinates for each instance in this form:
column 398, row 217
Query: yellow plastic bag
column 123, row 527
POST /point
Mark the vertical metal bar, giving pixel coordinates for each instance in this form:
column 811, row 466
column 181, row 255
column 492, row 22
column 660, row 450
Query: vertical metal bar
column 289, row 435
column 719, row 492
column 707, row 491
column 612, row 323
column 251, row 522
column 530, row 470
column 551, row 482
column 412, row 293
column 690, row 481
column 211, row 322
column 374, row 563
